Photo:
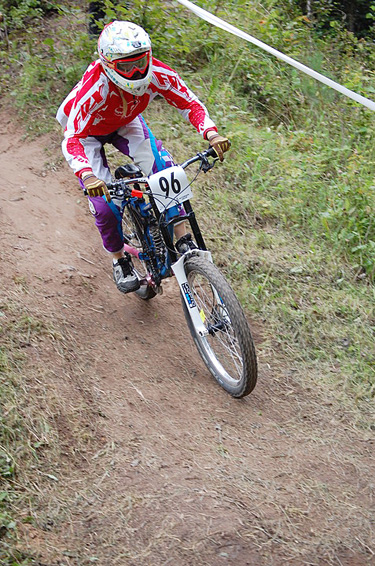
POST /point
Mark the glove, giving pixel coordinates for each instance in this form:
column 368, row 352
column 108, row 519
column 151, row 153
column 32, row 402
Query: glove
column 94, row 186
column 219, row 144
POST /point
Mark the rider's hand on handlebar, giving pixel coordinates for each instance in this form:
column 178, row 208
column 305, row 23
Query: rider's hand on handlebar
column 219, row 144
column 94, row 186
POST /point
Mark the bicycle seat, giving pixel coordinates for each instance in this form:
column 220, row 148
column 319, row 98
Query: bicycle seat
column 129, row 171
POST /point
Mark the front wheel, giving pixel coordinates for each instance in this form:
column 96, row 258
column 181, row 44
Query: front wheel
column 228, row 349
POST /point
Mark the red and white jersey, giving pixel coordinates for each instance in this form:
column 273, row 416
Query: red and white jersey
column 97, row 107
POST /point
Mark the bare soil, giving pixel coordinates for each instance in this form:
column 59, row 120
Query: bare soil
column 151, row 462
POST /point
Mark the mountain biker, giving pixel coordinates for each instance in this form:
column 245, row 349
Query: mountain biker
column 105, row 107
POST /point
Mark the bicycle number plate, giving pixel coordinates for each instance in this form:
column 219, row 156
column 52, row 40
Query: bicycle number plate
column 170, row 187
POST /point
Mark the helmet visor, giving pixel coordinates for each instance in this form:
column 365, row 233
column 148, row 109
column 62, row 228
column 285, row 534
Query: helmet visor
column 130, row 66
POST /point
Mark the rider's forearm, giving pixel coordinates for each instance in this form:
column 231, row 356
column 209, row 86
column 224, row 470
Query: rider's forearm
column 75, row 155
column 209, row 133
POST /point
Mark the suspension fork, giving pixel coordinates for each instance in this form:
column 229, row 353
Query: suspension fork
column 191, row 306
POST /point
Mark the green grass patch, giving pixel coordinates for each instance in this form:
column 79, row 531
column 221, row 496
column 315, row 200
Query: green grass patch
column 25, row 432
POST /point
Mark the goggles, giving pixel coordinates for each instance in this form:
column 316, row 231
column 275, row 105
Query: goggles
column 131, row 65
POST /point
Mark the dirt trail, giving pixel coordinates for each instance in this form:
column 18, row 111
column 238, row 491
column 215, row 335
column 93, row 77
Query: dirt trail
column 158, row 465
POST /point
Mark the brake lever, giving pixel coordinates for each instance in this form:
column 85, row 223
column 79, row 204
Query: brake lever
column 205, row 165
column 116, row 192
column 122, row 192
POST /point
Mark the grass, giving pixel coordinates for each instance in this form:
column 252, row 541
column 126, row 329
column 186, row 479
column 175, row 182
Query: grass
column 316, row 306
column 289, row 219
column 35, row 424
column 23, row 434
column 301, row 199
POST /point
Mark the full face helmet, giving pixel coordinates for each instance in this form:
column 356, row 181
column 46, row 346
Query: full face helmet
column 125, row 53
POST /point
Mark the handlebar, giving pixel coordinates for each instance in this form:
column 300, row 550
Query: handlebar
column 203, row 158
column 124, row 188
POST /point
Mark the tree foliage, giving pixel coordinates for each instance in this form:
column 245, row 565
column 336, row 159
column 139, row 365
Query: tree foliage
column 357, row 16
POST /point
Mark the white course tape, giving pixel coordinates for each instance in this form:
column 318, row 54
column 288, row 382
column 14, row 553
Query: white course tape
column 235, row 31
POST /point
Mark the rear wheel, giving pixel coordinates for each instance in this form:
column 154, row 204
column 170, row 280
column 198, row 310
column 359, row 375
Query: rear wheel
column 133, row 229
column 228, row 349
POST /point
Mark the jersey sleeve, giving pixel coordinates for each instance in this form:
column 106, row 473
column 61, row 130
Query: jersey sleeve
column 77, row 114
column 168, row 83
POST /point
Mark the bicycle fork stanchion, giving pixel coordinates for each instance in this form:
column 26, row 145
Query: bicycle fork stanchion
column 194, row 225
column 179, row 271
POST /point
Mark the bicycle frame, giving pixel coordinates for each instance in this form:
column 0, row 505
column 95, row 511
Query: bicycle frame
column 214, row 316
column 160, row 269
column 143, row 208
column 129, row 191
column 171, row 256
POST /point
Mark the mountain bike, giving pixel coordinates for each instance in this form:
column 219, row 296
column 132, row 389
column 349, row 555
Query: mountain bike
column 151, row 207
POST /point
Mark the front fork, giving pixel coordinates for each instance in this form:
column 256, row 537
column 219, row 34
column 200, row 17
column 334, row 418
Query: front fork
column 191, row 306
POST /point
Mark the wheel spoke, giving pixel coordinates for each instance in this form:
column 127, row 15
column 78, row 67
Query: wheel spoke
column 221, row 341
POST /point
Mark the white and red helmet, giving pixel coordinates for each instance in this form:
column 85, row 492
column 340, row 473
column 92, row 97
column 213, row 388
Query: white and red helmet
column 125, row 53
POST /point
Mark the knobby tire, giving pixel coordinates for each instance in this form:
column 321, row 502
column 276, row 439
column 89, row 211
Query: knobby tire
column 228, row 350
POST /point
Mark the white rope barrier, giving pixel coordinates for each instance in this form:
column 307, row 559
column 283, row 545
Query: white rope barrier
column 235, row 31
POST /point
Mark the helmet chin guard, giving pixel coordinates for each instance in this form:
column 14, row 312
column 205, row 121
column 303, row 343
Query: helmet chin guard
column 122, row 41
